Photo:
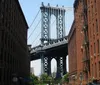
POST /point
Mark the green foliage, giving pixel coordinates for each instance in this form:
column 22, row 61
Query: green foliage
column 34, row 79
column 44, row 78
column 65, row 78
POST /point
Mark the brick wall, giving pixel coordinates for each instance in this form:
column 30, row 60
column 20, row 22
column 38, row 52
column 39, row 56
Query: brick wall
column 72, row 53
column 93, row 36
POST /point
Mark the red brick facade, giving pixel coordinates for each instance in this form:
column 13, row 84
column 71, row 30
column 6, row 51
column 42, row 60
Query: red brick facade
column 76, row 40
column 86, row 37
column 72, row 53
column 85, row 40
column 94, row 37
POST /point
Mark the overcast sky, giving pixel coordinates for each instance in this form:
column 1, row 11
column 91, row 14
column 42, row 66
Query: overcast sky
column 30, row 9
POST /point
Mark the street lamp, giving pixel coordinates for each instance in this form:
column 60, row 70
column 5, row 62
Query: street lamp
column 14, row 79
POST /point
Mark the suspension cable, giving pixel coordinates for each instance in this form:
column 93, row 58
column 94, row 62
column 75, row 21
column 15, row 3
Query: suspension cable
column 37, row 43
column 34, row 29
column 34, row 19
column 36, row 38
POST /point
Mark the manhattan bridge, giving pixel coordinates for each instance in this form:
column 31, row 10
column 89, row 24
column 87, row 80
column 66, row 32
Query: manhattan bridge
column 50, row 48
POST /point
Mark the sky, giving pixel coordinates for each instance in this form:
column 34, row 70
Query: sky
column 30, row 9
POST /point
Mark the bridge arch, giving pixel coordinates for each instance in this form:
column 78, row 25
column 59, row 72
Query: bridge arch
column 53, row 30
column 53, row 65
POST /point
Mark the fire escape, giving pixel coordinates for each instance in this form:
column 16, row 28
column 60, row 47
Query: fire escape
column 86, row 58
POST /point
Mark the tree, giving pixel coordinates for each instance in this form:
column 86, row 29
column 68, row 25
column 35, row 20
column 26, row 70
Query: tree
column 34, row 79
column 65, row 78
column 44, row 78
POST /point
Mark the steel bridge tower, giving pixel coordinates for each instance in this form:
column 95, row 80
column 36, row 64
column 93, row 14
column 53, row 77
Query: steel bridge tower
column 46, row 12
column 59, row 13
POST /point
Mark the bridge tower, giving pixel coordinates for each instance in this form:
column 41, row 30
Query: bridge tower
column 46, row 12
column 59, row 13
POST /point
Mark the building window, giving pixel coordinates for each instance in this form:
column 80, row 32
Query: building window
column 96, row 25
column 95, row 5
column 89, row 15
column 92, row 10
column 90, row 32
column 88, row 1
column 99, row 68
column 93, row 30
column 1, row 55
column 2, row 0
column 95, row 70
column 2, row 35
column 91, row 51
column 92, row 70
column 0, row 74
column 94, row 50
column 98, row 49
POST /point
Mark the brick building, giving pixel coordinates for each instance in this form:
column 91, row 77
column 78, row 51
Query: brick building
column 94, row 37
column 72, row 53
column 76, row 42
column 87, row 37
column 13, row 42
